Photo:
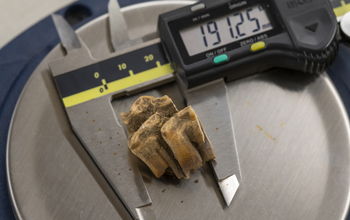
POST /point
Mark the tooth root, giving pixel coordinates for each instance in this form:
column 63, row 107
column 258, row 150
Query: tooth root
column 147, row 145
column 205, row 149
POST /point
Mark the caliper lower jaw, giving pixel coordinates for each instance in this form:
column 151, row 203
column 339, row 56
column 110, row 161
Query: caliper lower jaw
column 211, row 103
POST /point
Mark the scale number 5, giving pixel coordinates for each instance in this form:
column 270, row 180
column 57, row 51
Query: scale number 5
column 148, row 58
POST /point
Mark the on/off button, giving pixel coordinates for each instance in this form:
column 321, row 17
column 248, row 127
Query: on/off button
column 220, row 59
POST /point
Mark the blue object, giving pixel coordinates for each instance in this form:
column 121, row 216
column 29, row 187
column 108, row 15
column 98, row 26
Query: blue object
column 339, row 72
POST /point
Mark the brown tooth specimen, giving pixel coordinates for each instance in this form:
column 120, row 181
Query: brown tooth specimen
column 143, row 108
column 148, row 145
column 166, row 139
column 187, row 140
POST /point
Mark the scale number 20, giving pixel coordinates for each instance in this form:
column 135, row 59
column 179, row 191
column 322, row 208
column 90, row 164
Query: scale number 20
column 148, row 58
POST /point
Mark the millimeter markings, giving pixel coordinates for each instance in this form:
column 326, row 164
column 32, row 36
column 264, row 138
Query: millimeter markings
column 340, row 7
column 112, row 75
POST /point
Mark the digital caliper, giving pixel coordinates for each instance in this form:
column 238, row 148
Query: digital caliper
column 230, row 38
column 205, row 43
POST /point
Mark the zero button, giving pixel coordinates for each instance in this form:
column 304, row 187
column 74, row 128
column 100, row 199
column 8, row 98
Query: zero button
column 258, row 46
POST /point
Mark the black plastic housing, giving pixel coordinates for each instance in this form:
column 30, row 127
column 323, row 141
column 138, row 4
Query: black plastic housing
column 303, row 38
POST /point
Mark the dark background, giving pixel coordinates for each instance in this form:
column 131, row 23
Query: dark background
column 20, row 57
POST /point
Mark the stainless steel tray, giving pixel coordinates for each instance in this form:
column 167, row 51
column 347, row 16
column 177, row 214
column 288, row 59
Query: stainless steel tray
column 292, row 134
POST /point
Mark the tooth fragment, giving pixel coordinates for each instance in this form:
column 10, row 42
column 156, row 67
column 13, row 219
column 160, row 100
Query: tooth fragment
column 164, row 138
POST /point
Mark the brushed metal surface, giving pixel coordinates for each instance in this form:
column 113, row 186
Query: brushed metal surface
column 95, row 124
column 212, row 105
column 292, row 136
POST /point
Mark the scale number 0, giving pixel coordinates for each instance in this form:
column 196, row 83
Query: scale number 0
column 104, row 83
column 148, row 58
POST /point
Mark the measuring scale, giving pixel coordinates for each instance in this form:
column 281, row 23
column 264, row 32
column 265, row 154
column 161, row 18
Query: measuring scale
column 276, row 144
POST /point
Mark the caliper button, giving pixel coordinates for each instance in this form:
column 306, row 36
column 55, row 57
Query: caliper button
column 258, row 46
column 312, row 29
column 198, row 7
column 220, row 59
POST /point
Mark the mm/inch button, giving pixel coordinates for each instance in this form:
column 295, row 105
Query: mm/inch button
column 220, row 59
column 198, row 7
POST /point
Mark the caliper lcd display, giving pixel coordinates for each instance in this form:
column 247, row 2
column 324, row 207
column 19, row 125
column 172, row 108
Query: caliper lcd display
column 225, row 29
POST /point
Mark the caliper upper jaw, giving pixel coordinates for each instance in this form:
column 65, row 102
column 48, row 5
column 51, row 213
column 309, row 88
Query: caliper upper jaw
column 78, row 54
column 118, row 28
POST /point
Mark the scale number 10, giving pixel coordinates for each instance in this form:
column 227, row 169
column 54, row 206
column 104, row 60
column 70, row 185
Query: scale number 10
column 122, row 66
